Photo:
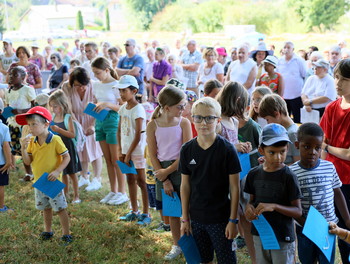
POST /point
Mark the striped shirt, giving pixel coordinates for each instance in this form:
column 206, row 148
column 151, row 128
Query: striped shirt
column 316, row 185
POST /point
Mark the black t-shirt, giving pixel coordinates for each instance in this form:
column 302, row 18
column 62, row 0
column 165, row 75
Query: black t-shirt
column 57, row 76
column 209, row 172
column 279, row 187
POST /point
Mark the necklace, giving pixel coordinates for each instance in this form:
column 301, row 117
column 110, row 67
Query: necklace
column 207, row 73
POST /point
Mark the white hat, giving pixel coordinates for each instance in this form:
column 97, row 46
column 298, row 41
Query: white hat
column 9, row 41
column 321, row 63
column 272, row 60
column 126, row 81
column 261, row 47
column 130, row 41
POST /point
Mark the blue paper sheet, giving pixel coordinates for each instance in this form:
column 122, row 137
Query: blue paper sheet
column 127, row 169
column 316, row 229
column 100, row 116
column 171, row 205
column 244, row 159
column 189, row 248
column 50, row 188
column 267, row 236
column 7, row 112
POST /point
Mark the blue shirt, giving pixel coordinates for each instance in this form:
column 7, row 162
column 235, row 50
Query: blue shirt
column 4, row 137
column 129, row 63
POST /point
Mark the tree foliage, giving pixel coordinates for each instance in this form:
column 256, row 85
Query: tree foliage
column 322, row 14
column 108, row 23
column 80, row 21
column 2, row 22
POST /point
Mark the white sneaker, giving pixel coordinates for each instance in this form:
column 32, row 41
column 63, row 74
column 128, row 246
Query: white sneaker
column 119, row 198
column 108, row 197
column 174, row 252
column 82, row 181
column 94, row 185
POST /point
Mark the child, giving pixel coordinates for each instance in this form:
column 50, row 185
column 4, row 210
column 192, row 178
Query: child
column 42, row 100
column 256, row 98
column 5, row 162
column 274, row 109
column 320, row 187
column 206, row 206
column 343, row 234
column 212, row 88
column 132, row 146
column 191, row 98
column 59, row 105
column 108, row 98
column 270, row 78
column 274, row 192
column 166, row 133
column 21, row 98
column 46, row 153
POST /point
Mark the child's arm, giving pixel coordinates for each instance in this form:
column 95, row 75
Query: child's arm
column 185, row 201
column 136, row 140
column 340, row 202
column 119, row 148
column 341, row 153
column 56, row 173
column 231, row 228
column 70, row 133
column 293, row 210
column 7, row 151
column 27, row 159
column 152, row 149
column 280, row 90
column 102, row 105
column 340, row 232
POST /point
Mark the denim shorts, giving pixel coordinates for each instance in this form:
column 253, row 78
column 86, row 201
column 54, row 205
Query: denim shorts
column 108, row 128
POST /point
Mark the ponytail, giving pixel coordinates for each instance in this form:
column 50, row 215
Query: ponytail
column 157, row 113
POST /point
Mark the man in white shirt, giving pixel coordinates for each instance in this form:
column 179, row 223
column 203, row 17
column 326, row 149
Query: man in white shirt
column 7, row 58
column 91, row 52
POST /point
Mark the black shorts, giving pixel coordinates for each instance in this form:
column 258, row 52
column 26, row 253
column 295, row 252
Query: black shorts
column 4, row 177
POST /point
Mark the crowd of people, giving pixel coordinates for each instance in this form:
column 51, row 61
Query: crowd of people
column 184, row 117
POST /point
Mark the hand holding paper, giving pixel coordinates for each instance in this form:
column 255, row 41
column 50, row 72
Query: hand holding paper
column 50, row 188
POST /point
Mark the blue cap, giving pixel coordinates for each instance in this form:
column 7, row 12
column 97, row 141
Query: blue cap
column 127, row 80
column 273, row 133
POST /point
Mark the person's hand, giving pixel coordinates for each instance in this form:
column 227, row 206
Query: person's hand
column 243, row 147
column 307, row 102
column 7, row 167
column 55, row 128
column 261, row 160
column 231, row 230
column 250, row 213
column 100, row 106
column 168, row 188
column 264, row 207
column 161, row 174
column 308, row 108
column 53, row 175
column 121, row 157
column 90, row 131
column 25, row 142
column 127, row 159
column 185, row 228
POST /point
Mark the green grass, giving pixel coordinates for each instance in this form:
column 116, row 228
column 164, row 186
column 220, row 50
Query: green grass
column 99, row 237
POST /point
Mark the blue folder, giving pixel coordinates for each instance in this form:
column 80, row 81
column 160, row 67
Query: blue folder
column 316, row 229
column 50, row 188
column 126, row 169
column 171, row 205
column 189, row 248
column 90, row 111
column 7, row 112
column 267, row 236
column 244, row 159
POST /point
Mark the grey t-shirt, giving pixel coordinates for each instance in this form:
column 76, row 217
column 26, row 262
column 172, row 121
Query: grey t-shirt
column 292, row 150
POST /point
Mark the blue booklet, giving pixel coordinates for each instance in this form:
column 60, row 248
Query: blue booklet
column 267, row 236
column 125, row 168
column 189, row 248
column 244, row 159
column 171, row 205
column 316, row 229
column 90, row 111
column 7, row 112
column 50, row 188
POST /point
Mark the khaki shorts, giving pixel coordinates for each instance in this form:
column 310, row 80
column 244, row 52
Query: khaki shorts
column 42, row 201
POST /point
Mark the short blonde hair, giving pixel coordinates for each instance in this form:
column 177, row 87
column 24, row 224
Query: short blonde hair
column 207, row 102
column 208, row 51
column 272, row 103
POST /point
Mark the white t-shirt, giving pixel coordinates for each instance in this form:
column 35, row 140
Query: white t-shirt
column 7, row 61
column 87, row 66
column 315, row 87
column 127, row 130
column 21, row 98
column 239, row 72
column 106, row 92
column 208, row 74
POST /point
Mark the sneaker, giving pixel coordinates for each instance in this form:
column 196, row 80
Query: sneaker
column 108, row 197
column 144, row 219
column 4, row 209
column 131, row 216
column 120, row 198
column 240, row 242
column 28, row 177
column 83, row 181
column 162, row 228
column 46, row 235
column 76, row 201
column 94, row 185
column 66, row 239
column 174, row 252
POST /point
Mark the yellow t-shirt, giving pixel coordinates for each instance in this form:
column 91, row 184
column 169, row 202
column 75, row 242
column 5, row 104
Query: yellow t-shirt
column 150, row 179
column 46, row 157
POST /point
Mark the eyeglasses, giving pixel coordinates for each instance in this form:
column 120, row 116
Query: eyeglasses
column 181, row 107
column 52, row 58
column 207, row 119
column 127, row 45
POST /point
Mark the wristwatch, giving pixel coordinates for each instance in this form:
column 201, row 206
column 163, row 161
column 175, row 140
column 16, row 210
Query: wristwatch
column 235, row 221
column 326, row 148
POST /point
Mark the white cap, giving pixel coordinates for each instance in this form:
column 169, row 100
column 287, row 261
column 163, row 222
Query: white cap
column 126, row 81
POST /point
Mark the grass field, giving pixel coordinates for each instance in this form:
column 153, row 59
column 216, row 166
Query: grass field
column 99, row 236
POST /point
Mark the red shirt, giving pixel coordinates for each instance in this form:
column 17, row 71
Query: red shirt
column 336, row 126
column 194, row 131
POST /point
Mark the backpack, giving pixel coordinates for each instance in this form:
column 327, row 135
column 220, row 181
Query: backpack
column 80, row 138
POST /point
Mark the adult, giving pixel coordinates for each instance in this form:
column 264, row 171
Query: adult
column 66, row 48
column 37, row 58
column 210, row 69
column 334, row 58
column 233, row 58
column 79, row 92
column 113, row 55
column 33, row 72
column 319, row 89
column 81, row 55
column 345, row 54
column 222, row 55
column 132, row 64
column 59, row 73
column 47, row 52
column 191, row 60
column 177, row 70
column 243, row 70
column 105, row 46
column 293, row 70
column 91, row 52
column 150, row 55
column 259, row 55
column 270, row 78
column 65, row 58
column 49, row 43
column 76, row 49
column 162, row 72
column 155, row 44
column 7, row 58
column 313, row 57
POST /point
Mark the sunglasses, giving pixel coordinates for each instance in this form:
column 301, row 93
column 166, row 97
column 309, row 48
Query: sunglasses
column 53, row 58
column 207, row 119
column 127, row 45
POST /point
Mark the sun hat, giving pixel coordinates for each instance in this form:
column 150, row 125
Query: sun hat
column 272, row 60
column 38, row 110
column 221, row 51
column 261, row 47
column 321, row 63
column 273, row 133
column 126, row 81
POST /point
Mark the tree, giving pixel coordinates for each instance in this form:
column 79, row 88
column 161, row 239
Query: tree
column 2, row 23
column 108, row 25
column 80, row 21
column 323, row 14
